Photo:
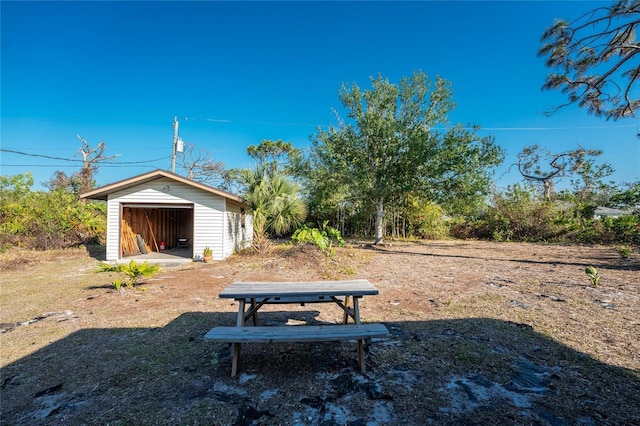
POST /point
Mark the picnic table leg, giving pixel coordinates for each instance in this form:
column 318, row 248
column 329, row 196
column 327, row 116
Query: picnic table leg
column 363, row 367
column 236, row 346
column 241, row 305
column 356, row 318
column 236, row 359
column 345, row 316
column 356, row 310
column 255, row 311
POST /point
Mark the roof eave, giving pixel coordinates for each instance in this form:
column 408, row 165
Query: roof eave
column 103, row 192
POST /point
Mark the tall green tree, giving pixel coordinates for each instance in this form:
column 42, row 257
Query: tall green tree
column 274, row 203
column 595, row 59
column 271, row 157
column 274, row 156
column 389, row 146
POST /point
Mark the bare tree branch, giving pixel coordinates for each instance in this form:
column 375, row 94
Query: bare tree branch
column 544, row 167
column 596, row 58
column 91, row 157
column 198, row 165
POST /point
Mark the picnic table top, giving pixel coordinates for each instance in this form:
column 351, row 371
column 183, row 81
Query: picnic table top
column 268, row 289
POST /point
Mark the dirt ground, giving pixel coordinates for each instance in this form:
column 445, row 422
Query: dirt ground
column 480, row 333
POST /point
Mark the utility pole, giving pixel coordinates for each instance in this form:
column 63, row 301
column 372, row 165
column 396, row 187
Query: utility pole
column 175, row 144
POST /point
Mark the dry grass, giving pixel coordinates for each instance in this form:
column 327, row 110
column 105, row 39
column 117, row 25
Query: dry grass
column 481, row 333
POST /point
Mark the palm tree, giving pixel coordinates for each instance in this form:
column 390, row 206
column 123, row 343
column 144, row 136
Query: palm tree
column 274, row 203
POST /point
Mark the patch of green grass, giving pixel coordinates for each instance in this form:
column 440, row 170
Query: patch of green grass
column 348, row 270
column 624, row 252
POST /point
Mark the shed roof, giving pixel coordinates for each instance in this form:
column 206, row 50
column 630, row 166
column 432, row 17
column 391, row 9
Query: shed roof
column 605, row 211
column 102, row 192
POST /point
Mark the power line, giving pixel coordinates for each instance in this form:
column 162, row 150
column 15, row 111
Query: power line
column 554, row 128
column 224, row 120
column 135, row 162
column 80, row 161
column 67, row 165
column 39, row 155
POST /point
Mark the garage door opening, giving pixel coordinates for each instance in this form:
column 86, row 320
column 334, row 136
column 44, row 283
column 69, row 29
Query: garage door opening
column 156, row 230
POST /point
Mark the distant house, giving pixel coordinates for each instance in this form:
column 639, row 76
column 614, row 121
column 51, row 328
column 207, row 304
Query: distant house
column 602, row 212
column 167, row 211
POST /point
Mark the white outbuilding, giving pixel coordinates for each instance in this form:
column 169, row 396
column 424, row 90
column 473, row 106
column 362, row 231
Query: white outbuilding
column 602, row 212
column 161, row 211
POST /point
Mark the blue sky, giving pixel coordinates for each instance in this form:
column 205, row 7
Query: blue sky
column 235, row 73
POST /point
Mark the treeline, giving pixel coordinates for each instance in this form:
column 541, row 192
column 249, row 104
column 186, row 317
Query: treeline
column 57, row 218
column 519, row 213
column 393, row 167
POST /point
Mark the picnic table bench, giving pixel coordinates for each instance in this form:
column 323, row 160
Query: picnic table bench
column 251, row 296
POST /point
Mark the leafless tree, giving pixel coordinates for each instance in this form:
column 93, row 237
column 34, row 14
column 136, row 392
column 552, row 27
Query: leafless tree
column 91, row 158
column 198, row 165
column 545, row 167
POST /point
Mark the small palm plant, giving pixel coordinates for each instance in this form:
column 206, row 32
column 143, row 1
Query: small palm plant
column 593, row 274
column 133, row 271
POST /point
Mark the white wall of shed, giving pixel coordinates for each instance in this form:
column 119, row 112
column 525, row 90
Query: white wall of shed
column 113, row 230
column 248, row 229
column 237, row 235
column 208, row 214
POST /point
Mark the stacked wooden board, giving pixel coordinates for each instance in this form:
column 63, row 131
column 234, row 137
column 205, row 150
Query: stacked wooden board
column 129, row 240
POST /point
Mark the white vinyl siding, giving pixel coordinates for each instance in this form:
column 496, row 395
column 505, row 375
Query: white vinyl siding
column 238, row 232
column 113, row 230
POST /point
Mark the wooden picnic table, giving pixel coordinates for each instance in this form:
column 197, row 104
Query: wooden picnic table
column 259, row 293
column 252, row 295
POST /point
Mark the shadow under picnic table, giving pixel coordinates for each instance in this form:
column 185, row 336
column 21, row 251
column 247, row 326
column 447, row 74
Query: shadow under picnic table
column 463, row 371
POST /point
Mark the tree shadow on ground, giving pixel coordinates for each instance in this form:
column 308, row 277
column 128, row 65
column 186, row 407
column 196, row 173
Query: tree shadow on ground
column 613, row 262
column 97, row 251
column 468, row 371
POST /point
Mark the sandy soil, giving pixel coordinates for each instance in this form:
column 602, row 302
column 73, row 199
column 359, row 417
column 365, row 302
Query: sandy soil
column 481, row 333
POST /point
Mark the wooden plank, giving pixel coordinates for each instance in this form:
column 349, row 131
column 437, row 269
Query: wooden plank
column 255, row 305
column 262, row 289
column 303, row 333
column 295, row 300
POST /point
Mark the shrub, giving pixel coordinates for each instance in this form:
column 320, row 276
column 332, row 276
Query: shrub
column 521, row 215
column 133, row 271
column 46, row 220
column 609, row 230
column 427, row 220
column 624, row 252
column 323, row 238
column 626, row 229
column 464, row 229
